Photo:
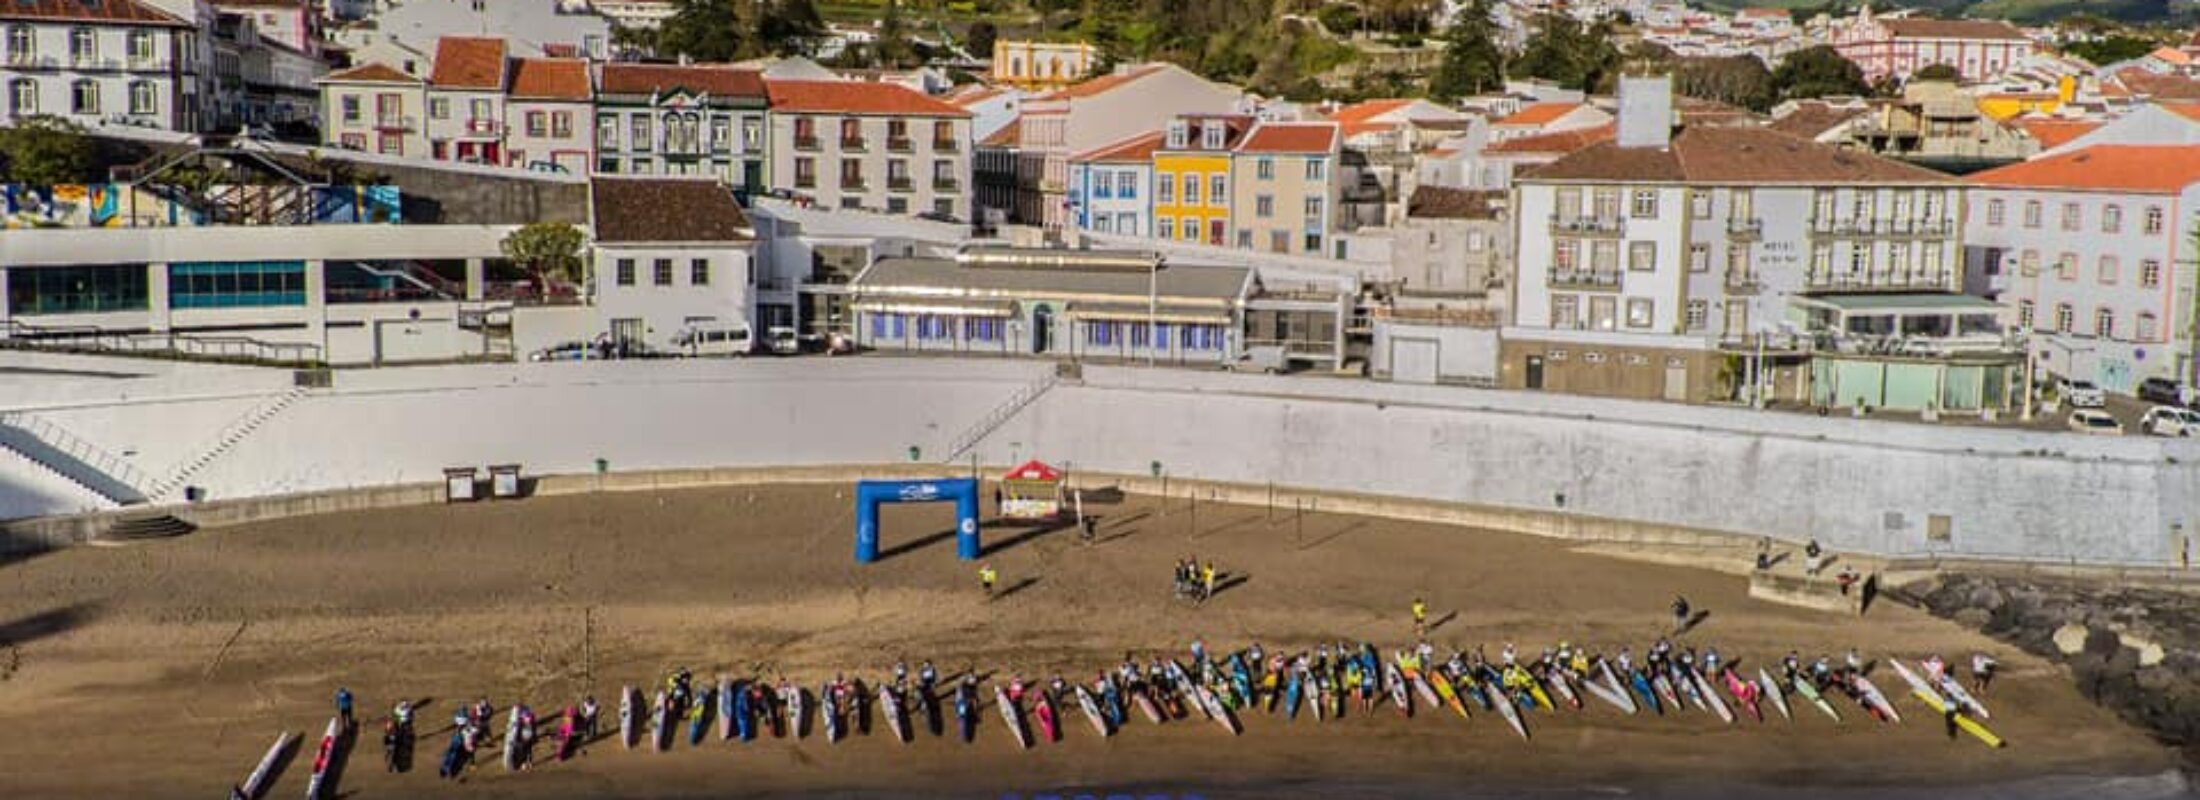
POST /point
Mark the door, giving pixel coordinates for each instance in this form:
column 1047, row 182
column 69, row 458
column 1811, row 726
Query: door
column 1042, row 328
column 1676, row 382
column 1413, row 360
column 1535, row 372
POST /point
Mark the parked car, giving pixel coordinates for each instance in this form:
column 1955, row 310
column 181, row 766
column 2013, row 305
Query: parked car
column 1268, row 358
column 715, row 340
column 2081, row 394
column 783, row 341
column 565, row 351
column 2170, row 421
column 2094, row 421
column 2164, row 391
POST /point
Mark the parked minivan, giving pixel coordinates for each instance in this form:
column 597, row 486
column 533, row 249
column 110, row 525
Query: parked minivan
column 2164, row 391
column 718, row 340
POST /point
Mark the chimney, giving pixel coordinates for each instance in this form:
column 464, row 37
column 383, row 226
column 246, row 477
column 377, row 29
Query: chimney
column 1646, row 111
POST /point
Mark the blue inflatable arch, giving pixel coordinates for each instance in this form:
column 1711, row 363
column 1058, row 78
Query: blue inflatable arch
column 963, row 491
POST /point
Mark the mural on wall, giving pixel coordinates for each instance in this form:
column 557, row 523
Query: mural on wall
column 116, row 205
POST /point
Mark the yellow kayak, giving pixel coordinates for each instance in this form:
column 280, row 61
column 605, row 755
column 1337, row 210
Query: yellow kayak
column 1964, row 721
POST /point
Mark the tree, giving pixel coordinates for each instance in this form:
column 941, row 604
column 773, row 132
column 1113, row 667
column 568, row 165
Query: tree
column 894, row 50
column 1733, row 80
column 1937, row 72
column 789, row 26
column 1565, row 51
column 706, row 30
column 549, row 250
column 2110, row 49
column 1472, row 63
column 1819, row 71
column 44, row 151
column 979, row 41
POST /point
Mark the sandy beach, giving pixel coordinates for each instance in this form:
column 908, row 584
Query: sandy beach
column 165, row 669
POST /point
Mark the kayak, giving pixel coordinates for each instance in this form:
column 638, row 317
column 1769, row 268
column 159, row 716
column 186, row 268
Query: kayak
column 1963, row 721
column 1221, row 715
column 890, row 706
column 1012, row 718
column 1876, row 699
column 1565, row 687
column 661, row 724
column 1955, row 691
column 630, row 716
column 1449, row 695
column 1809, row 691
column 725, row 708
column 1665, row 690
column 1092, row 712
column 795, row 717
column 1421, row 687
column 1771, row 688
column 1611, row 682
column 1745, row 694
column 828, row 706
column 1711, row 698
column 1618, row 698
column 1504, row 705
column 1396, row 685
column 1043, row 710
column 1642, row 689
column 1291, row 691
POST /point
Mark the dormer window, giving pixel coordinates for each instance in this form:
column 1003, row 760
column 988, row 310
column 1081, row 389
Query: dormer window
column 1176, row 136
column 1210, row 136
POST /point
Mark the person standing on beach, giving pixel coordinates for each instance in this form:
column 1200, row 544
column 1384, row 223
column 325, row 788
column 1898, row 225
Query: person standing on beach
column 1207, row 582
column 1420, row 618
column 1680, row 614
column 988, row 577
column 343, row 706
column 1982, row 670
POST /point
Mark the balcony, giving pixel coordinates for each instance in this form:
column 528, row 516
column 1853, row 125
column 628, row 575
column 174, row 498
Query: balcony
column 945, row 146
column 946, row 185
column 1584, row 279
column 1879, row 281
column 901, row 184
column 483, row 126
column 900, row 144
column 853, row 183
column 1588, row 226
column 1750, row 228
column 1924, row 228
column 805, row 181
column 854, row 145
column 393, row 122
column 802, row 142
column 1744, row 283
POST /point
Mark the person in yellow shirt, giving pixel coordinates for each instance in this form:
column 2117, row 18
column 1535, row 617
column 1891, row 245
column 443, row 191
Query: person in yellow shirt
column 988, row 577
column 1420, row 617
column 1207, row 581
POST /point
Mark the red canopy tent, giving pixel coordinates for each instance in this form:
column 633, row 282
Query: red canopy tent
column 1031, row 491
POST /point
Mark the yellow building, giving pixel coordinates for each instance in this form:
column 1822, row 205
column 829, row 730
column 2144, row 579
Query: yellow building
column 1042, row 65
column 1191, row 174
column 2007, row 105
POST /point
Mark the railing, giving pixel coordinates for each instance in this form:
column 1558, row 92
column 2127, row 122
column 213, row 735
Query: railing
column 77, row 447
column 223, row 441
column 946, row 185
column 900, row 145
column 1881, row 280
column 149, row 64
column 393, row 122
column 1882, row 227
column 902, row 184
column 1749, row 228
column 1744, row 283
column 20, row 58
column 805, row 143
column 175, row 345
column 1584, row 279
column 857, row 144
column 1000, row 415
column 1604, row 226
column 946, row 145
column 852, row 182
column 802, row 182
column 484, row 126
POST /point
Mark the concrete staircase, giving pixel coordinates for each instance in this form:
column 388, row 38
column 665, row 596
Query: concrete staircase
column 143, row 528
column 1000, row 415
column 225, row 441
column 72, row 457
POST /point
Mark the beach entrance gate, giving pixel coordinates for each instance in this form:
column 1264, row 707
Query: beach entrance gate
column 870, row 494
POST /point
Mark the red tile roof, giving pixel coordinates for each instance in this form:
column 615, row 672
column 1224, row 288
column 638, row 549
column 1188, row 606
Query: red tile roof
column 123, row 11
column 2150, row 169
column 2052, row 133
column 641, row 209
column 1921, row 28
column 1558, row 142
column 468, row 62
column 856, row 97
column 714, row 79
column 2189, row 111
column 1539, row 114
column 1100, row 84
column 1136, row 149
column 550, row 79
column 1731, row 154
column 1290, row 137
column 371, row 73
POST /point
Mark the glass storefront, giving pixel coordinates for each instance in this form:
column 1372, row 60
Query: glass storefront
column 90, row 289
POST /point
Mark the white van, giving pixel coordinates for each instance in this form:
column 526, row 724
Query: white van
column 707, row 340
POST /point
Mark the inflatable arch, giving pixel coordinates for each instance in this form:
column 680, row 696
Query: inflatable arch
column 870, row 494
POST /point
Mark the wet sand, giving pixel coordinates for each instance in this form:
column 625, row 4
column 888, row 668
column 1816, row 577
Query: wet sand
column 165, row 669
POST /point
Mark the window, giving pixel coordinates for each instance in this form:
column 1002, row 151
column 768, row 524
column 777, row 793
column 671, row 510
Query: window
column 851, row 134
column 143, row 99
column 1210, row 136
column 1164, row 188
column 2073, row 217
column 1699, row 257
column 2150, row 274
column 1997, row 211
column 897, row 173
column 1265, row 169
column 358, row 141
column 2066, row 267
column 1176, row 135
column 2112, row 219
column 661, row 272
column 141, row 46
column 638, row 137
column 1313, row 209
column 1605, row 204
column 1218, row 190
column 1264, row 206
column 851, row 173
column 1317, row 170
column 1126, row 182
column 2028, row 265
column 1215, row 232
column 538, row 124
column 1898, row 260
column 22, row 44
column 897, row 133
column 943, row 135
column 897, row 205
column 237, row 284
column 1191, row 188
column 2032, row 213
column 1638, row 312
column 2024, row 315
column 83, row 45
column 699, row 272
column 439, row 108
column 1604, row 257
column 351, row 107
column 1699, row 314
column 1642, row 256
column 2104, row 323
column 805, row 173
column 981, row 329
column 84, row 97
column 1127, row 222
column 1565, row 311
column 389, row 143
column 2152, row 224
column 1164, row 228
column 607, row 132
column 561, row 124
column 1102, row 223
column 1821, row 259
column 625, row 272
column 1278, row 241
column 2106, row 272
column 2146, row 331
column 2064, row 317
column 1565, row 255
column 1861, row 203
column 1699, row 204
column 1645, row 204
column 76, row 290
column 1603, row 312
column 1821, row 206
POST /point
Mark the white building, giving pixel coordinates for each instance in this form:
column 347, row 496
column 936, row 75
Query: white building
column 552, row 113
column 113, row 62
column 375, row 109
column 1133, row 100
column 644, row 15
column 669, row 254
column 1111, row 187
column 854, row 144
column 534, row 27
column 466, row 114
column 2090, row 249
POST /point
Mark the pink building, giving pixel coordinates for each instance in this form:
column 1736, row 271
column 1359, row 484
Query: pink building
column 1899, row 46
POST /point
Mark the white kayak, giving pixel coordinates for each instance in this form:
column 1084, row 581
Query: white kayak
column 1092, row 711
column 1599, row 691
column 1964, row 701
column 1218, row 711
column 1619, row 690
column 1876, row 699
column 795, row 716
column 255, row 784
column 1505, row 706
column 630, row 716
column 1711, row 698
column 1772, row 689
column 1012, row 716
column 890, row 705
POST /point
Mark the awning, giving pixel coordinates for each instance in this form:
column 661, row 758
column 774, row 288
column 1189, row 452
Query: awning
column 1033, row 470
column 1140, row 312
column 951, row 308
